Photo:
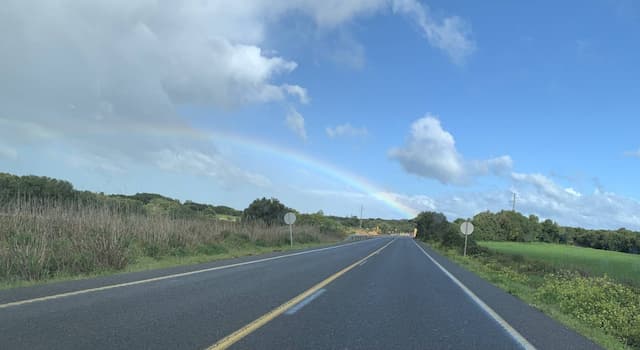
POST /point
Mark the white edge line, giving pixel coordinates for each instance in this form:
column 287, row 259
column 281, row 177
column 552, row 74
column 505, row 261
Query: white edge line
column 160, row 278
column 363, row 262
column 305, row 302
column 524, row 343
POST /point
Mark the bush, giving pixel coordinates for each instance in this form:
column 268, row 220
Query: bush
column 597, row 301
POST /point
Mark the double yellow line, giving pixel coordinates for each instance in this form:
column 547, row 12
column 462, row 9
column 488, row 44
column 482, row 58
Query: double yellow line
column 269, row 316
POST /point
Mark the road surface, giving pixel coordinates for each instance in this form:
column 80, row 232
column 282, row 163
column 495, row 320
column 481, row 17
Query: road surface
column 384, row 293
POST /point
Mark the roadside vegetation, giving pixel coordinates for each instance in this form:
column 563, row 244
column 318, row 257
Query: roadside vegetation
column 621, row 267
column 50, row 231
column 44, row 240
column 515, row 227
column 574, row 285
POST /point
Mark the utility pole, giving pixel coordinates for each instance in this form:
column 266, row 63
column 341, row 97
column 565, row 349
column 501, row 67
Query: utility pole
column 514, row 202
column 361, row 209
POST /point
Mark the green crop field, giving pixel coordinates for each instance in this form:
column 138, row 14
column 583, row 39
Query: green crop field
column 620, row 266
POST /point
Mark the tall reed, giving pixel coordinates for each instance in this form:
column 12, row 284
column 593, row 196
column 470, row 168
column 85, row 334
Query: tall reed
column 42, row 239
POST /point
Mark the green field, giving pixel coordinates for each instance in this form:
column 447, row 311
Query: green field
column 620, row 266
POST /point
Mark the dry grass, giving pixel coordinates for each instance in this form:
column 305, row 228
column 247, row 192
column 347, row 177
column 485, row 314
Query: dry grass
column 41, row 240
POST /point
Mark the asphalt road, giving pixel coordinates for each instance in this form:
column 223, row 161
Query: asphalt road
column 382, row 293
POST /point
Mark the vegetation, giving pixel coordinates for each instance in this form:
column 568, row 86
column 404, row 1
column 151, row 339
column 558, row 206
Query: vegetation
column 268, row 211
column 621, row 267
column 42, row 241
column 595, row 292
column 38, row 189
column 49, row 230
column 515, row 227
column 593, row 306
column 434, row 227
column 597, row 301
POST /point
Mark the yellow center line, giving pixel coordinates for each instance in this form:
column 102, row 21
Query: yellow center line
column 236, row 336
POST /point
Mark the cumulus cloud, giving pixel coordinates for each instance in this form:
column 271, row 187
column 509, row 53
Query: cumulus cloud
column 105, row 78
column 346, row 130
column 430, row 152
column 295, row 123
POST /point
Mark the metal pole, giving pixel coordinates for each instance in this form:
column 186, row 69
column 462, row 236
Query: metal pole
column 465, row 244
column 291, row 235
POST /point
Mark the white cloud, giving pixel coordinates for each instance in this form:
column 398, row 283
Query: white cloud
column 104, row 79
column 451, row 34
column 598, row 210
column 430, row 152
column 298, row 91
column 573, row 192
column 295, row 123
column 346, row 130
column 542, row 183
column 216, row 166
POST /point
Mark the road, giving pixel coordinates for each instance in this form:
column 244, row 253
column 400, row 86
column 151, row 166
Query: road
column 384, row 293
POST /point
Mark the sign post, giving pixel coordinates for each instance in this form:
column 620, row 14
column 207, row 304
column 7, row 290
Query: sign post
column 466, row 228
column 289, row 219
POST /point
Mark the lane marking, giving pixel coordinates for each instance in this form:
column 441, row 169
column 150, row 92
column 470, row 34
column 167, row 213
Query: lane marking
column 362, row 263
column 517, row 337
column 304, row 303
column 177, row 275
column 236, row 336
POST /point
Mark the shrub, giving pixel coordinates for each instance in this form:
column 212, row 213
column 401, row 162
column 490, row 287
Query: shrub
column 597, row 301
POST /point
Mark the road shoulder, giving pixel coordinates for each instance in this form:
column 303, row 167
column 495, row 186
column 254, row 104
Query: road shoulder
column 539, row 329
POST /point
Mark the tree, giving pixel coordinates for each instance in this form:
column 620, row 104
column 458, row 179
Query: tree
column 431, row 225
column 269, row 211
column 550, row 232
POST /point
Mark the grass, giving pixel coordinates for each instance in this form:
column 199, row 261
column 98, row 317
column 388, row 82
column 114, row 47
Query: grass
column 599, row 308
column 50, row 241
column 622, row 267
column 149, row 263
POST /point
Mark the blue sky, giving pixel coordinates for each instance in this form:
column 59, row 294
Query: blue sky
column 396, row 105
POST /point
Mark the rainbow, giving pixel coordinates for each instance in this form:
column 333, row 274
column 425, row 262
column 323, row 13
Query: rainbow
column 357, row 182
column 260, row 146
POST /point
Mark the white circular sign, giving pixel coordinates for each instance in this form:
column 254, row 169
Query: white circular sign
column 466, row 228
column 289, row 218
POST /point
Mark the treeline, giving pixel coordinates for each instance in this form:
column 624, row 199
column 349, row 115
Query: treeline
column 271, row 211
column 44, row 190
column 513, row 226
column 39, row 189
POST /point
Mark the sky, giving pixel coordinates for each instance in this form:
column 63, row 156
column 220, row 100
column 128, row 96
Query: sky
column 389, row 106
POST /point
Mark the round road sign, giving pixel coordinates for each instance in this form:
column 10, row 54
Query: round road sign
column 289, row 218
column 466, row 228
